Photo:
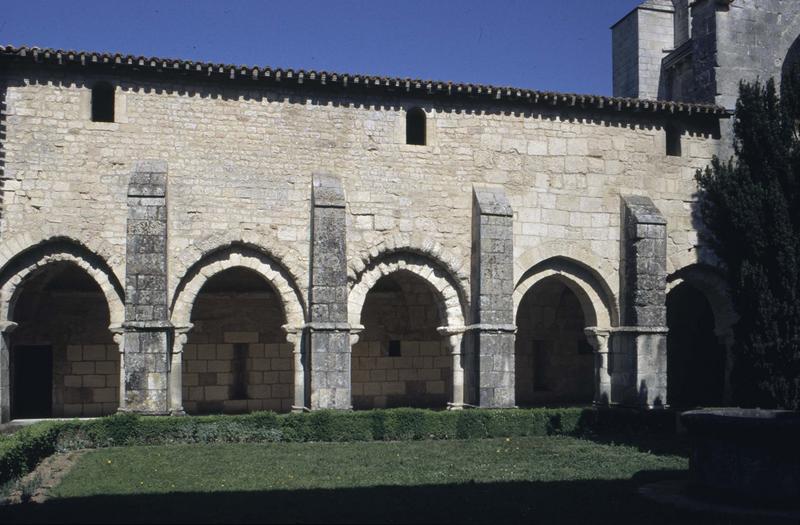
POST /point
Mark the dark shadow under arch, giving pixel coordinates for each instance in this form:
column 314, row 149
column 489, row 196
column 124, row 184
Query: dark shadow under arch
column 792, row 59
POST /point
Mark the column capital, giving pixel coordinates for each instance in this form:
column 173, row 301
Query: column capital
column 597, row 338
column 6, row 327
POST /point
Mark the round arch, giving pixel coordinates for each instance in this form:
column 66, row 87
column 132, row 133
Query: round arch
column 242, row 257
column 709, row 282
column 41, row 238
column 28, row 263
column 417, row 244
column 444, row 286
column 256, row 241
column 593, row 293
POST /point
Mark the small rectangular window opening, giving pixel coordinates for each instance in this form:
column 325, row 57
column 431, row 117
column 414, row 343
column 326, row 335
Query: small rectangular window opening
column 415, row 127
column 394, row 348
column 102, row 102
column 673, row 134
column 239, row 371
column 541, row 365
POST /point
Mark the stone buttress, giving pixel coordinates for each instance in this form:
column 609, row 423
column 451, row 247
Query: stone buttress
column 328, row 330
column 491, row 350
column 638, row 359
column 146, row 330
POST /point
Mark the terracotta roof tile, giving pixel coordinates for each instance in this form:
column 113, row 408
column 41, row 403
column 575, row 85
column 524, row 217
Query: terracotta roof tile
column 327, row 80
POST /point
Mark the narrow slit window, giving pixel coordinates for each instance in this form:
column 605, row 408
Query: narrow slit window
column 415, row 127
column 394, row 348
column 673, row 141
column 239, row 371
column 103, row 102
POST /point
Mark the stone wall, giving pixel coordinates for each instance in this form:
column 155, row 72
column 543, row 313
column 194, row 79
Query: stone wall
column 235, row 165
column 231, row 326
column 640, row 41
column 86, row 380
column 625, row 56
column 550, row 337
column 240, row 164
column 419, row 377
column 400, row 359
column 60, row 309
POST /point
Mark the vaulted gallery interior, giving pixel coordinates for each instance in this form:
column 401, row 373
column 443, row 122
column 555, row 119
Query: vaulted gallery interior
column 236, row 358
column 400, row 358
column 63, row 360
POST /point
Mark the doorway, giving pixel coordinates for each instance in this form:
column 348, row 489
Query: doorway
column 32, row 382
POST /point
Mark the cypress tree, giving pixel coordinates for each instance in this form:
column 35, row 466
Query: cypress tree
column 750, row 206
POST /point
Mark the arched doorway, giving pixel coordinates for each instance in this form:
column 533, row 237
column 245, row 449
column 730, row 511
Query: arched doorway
column 553, row 359
column 695, row 356
column 236, row 358
column 63, row 358
column 400, row 358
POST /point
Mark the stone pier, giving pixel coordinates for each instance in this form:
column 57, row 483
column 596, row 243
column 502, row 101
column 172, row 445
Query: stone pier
column 147, row 330
column 329, row 330
column 492, row 330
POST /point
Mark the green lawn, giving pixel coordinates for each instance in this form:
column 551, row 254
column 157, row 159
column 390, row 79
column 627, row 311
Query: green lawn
column 537, row 479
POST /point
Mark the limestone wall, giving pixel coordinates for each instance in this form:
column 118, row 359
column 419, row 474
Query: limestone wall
column 240, row 162
column 400, row 359
column 86, row 380
column 551, row 358
column 231, row 326
column 420, row 376
column 85, row 359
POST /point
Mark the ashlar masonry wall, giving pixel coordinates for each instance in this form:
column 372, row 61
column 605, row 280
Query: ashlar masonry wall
column 237, row 162
column 400, row 359
column 236, row 358
column 73, row 323
column 240, row 163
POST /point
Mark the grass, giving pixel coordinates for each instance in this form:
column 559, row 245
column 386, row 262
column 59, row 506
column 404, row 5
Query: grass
column 533, row 479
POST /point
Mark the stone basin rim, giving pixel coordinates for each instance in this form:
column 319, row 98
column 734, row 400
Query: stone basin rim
column 752, row 422
column 756, row 414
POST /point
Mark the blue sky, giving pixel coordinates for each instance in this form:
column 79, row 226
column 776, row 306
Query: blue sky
column 562, row 45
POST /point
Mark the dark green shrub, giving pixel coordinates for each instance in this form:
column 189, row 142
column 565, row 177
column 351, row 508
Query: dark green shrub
column 21, row 451
column 750, row 206
column 116, row 430
column 471, row 424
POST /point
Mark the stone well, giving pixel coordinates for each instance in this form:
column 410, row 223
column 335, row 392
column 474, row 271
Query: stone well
column 747, row 455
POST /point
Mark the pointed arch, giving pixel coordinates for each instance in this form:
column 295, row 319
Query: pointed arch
column 711, row 283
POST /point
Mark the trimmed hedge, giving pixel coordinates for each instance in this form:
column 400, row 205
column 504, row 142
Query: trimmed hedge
column 22, row 451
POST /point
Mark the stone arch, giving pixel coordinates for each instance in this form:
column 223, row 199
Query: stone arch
column 596, row 299
column 27, row 263
column 256, row 240
column 710, row 282
column 420, row 245
column 243, row 256
column 603, row 269
column 35, row 238
column 451, row 302
column 792, row 58
column 699, row 360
